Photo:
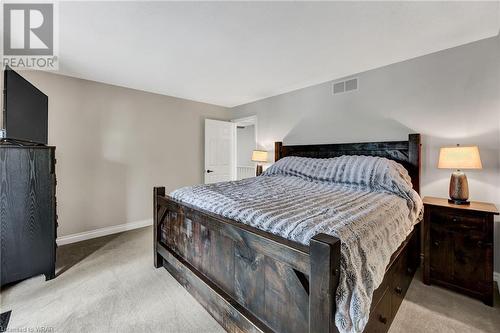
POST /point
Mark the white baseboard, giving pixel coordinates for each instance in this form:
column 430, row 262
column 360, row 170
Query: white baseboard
column 81, row 236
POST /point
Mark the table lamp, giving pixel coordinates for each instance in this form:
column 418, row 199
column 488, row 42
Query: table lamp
column 259, row 156
column 459, row 158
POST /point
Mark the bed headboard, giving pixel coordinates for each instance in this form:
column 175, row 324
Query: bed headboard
column 405, row 152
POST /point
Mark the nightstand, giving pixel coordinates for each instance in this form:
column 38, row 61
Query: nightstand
column 458, row 247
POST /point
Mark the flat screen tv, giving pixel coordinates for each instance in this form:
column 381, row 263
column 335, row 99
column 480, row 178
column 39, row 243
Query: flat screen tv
column 25, row 115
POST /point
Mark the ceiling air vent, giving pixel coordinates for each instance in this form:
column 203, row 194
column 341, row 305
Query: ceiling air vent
column 345, row 86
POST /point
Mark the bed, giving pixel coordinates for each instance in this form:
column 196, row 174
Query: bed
column 254, row 279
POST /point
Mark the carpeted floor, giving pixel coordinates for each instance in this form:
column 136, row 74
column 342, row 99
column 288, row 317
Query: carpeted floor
column 109, row 285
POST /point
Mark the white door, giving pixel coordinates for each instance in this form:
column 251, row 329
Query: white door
column 219, row 151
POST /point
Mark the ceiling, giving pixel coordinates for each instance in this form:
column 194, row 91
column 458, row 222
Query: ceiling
column 232, row 53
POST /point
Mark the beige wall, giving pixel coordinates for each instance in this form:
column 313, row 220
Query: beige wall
column 114, row 144
column 449, row 97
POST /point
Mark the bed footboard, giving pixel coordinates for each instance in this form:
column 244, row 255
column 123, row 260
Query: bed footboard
column 247, row 279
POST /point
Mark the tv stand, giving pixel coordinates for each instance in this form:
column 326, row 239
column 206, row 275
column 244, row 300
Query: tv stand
column 19, row 142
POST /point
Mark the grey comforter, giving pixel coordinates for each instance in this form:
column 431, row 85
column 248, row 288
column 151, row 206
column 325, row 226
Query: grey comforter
column 367, row 202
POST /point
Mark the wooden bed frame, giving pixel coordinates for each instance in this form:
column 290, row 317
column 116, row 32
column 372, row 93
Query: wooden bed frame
column 253, row 281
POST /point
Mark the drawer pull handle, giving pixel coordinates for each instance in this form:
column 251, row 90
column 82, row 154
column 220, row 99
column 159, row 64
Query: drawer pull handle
column 479, row 244
column 398, row 290
column 409, row 270
column 454, row 219
column 436, row 243
column 382, row 319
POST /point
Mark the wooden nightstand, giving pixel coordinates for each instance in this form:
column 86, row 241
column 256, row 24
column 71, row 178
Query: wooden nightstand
column 458, row 247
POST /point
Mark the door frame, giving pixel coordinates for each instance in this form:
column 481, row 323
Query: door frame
column 245, row 121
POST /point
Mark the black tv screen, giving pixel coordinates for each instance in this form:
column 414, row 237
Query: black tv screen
column 25, row 109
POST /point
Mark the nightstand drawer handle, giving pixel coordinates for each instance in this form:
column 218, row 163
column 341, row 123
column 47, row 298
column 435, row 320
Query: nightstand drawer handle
column 454, row 219
column 398, row 290
column 382, row 319
column 479, row 244
column 436, row 243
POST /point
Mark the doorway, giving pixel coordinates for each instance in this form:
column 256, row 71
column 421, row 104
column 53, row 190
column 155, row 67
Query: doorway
column 246, row 143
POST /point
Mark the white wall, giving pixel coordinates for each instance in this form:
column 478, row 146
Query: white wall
column 449, row 97
column 114, row 144
column 245, row 140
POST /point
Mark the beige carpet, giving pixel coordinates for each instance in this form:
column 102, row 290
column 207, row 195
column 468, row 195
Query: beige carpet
column 109, row 285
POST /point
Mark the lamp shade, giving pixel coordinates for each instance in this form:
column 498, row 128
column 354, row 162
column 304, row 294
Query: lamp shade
column 459, row 158
column 259, row 156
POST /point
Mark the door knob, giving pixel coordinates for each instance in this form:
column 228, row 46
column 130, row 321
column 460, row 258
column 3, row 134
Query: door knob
column 208, row 171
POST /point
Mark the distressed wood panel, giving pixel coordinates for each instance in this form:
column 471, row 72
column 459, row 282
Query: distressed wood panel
column 269, row 289
column 286, row 302
column 249, row 278
column 233, row 317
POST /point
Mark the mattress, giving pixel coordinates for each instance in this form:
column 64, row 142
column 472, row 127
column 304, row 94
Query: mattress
column 367, row 202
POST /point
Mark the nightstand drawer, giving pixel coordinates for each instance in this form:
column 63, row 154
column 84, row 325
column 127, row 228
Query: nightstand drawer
column 453, row 221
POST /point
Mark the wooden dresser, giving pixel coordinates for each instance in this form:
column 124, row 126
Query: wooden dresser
column 28, row 212
column 458, row 247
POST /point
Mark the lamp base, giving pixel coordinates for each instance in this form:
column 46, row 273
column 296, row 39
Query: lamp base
column 258, row 171
column 459, row 202
column 459, row 188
